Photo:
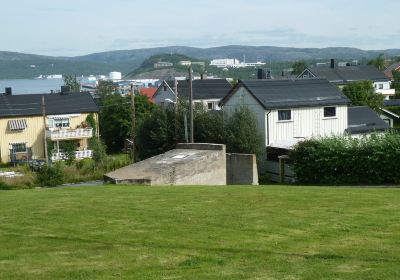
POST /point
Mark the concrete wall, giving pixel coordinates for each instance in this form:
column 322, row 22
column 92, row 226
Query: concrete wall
column 241, row 169
column 189, row 164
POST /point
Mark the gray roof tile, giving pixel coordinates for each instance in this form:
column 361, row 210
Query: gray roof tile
column 56, row 103
column 344, row 74
column 275, row 94
column 362, row 119
column 203, row 89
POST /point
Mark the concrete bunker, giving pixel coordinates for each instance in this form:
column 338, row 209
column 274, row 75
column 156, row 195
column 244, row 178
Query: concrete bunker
column 189, row 164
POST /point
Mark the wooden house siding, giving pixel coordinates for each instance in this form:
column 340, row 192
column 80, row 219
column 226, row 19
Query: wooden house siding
column 32, row 135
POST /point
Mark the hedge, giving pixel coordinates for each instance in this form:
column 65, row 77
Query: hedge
column 346, row 160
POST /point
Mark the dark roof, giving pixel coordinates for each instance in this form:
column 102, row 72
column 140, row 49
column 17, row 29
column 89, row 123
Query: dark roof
column 344, row 74
column 56, row 103
column 388, row 71
column 362, row 119
column 275, row 94
column 203, row 89
column 392, row 102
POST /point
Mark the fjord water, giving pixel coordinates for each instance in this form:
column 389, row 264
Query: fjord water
column 31, row 86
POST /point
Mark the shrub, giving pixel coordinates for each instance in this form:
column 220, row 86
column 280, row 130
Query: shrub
column 99, row 150
column 49, row 176
column 4, row 186
column 346, row 160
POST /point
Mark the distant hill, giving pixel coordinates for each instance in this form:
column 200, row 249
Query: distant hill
column 252, row 53
column 147, row 70
column 19, row 65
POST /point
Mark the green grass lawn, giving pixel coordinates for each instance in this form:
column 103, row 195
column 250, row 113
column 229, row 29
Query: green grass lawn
column 127, row 232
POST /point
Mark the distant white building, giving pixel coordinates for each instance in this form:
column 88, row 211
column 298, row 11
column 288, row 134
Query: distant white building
column 225, row 63
column 188, row 63
column 115, row 76
column 185, row 63
column 163, row 64
column 234, row 63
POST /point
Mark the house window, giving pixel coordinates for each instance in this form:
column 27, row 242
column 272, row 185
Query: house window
column 210, row 105
column 19, row 148
column 329, row 112
column 284, row 115
column 380, row 86
column 165, row 88
column 60, row 123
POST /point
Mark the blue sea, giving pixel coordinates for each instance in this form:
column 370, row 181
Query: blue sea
column 30, row 86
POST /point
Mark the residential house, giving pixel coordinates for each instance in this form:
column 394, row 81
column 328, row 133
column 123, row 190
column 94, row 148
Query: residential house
column 288, row 111
column 207, row 92
column 362, row 120
column 342, row 74
column 149, row 92
column 389, row 117
column 389, row 71
column 23, row 128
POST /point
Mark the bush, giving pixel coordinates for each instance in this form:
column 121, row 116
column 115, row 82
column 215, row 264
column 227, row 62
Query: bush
column 99, row 150
column 346, row 160
column 4, row 186
column 49, row 176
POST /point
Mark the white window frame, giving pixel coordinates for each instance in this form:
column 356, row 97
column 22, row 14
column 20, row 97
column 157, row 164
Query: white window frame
column 60, row 123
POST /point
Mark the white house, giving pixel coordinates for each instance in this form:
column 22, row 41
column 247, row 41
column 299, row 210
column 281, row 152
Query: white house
column 207, row 92
column 289, row 111
column 340, row 75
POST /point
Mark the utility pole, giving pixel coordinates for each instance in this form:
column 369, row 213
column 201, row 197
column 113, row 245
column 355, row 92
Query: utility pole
column 46, row 155
column 133, row 132
column 191, row 104
column 176, row 110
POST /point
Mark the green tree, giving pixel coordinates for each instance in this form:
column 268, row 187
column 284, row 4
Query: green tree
column 156, row 134
column 209, row 127
column 378, row 62
column 242, row 133
column 105, row 88
column 363, row 94
column 298, row 67
column 116, row 118
column 72, row 83
column 396, row 83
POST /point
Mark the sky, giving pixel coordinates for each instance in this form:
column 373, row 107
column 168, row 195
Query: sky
column 78, row 27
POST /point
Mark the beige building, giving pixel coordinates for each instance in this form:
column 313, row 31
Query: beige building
column 23, row 128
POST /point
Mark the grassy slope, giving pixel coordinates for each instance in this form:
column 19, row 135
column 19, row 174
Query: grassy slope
column 200, row 233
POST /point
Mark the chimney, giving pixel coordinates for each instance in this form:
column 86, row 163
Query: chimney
column 332, row 63
column 8, row 91
column 64, row 89
column 261, row 75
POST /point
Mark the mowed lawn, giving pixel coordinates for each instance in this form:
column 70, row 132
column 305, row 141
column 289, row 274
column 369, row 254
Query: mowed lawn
column 132, row 232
